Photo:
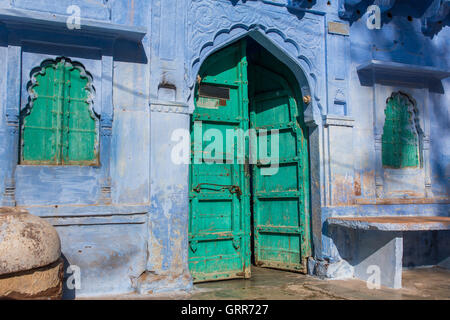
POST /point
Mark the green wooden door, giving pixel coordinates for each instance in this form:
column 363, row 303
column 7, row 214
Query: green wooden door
column 400, row 140
column 219, row 223
column 219, row 229
column 280, row 200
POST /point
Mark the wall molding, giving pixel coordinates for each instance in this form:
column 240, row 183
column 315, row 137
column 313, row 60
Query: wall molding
column 338, row 121
column 169, row 107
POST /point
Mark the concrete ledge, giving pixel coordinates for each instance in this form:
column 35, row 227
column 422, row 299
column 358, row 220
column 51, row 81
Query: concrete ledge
column 338, row 121
column 393, row 223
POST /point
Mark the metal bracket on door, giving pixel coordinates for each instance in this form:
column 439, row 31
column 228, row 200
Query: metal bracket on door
column 230, row 187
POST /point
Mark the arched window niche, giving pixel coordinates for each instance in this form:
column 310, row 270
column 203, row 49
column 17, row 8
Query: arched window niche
column 59, row 125
column 402, row 135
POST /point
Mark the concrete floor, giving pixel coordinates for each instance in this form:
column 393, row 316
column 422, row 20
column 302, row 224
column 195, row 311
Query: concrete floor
column 424, row 283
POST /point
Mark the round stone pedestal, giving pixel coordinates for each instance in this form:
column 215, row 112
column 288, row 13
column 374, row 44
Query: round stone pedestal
column 30, row 263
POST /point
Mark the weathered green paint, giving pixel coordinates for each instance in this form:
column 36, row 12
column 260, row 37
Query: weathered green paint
column 219, row 217
column 58, row 126
column 400, row 140
column 220, row 227
column 280, row 201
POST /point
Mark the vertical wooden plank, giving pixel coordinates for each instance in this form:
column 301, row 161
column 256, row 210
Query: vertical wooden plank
column 280, row 210
column 80, row 132
column 41, row 128
column 218, row 239
column 244, row 179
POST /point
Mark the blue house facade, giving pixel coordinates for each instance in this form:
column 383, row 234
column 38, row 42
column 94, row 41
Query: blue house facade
column 124, row 219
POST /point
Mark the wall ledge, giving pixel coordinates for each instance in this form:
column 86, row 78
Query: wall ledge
column 168, row 107
column 401, row 74
column 393, row 223
column 402, row 201
column 35, row 21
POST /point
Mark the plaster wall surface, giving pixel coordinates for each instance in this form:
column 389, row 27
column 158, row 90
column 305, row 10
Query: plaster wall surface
column 129, row 216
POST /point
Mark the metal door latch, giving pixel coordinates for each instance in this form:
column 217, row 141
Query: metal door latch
column 229, row 187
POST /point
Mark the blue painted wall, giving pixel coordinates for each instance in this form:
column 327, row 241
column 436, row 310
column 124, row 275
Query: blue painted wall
column 125, row 222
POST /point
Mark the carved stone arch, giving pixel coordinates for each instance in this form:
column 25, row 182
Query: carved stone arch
column 300, row 65
column 294, row 41
column 41, row 70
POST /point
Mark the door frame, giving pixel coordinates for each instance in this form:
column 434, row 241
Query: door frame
column 302, row 84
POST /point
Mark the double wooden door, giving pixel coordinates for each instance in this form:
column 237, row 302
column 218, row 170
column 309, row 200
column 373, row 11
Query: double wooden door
column 233, row 199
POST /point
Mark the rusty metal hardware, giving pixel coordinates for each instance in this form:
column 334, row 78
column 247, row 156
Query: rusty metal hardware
column 247, row 168
column 229, row 187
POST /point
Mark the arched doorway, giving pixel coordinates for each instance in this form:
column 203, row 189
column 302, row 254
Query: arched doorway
column 249, row 178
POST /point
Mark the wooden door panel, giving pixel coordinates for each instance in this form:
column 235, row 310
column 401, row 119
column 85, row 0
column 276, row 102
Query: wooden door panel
column 220, row 193
column 219, row 208
column 278, row 198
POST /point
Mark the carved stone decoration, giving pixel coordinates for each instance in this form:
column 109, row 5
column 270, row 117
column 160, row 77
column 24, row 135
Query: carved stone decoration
column 215, row 23
column 435, row 17
column 348, row 8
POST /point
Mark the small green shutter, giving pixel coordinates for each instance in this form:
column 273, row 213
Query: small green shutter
column 60, row 127
column 400, row 141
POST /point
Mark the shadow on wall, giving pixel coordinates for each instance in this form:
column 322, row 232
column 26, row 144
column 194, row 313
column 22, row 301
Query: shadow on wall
column 434, row 14
column 420, row 248
column 3, row 35
column 65, row 44
column 128, row 51
column 353, row 245
column 68, row 294
column 438, row 149
column 76, row 44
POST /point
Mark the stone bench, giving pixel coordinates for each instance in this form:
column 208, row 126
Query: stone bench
column 384, row 248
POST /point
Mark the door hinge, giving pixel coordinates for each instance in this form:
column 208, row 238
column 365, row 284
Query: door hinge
column 236, row 242
column 193, row 245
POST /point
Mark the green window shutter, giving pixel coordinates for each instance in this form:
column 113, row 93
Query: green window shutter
column 80, row 133
column 400, row 140
column 41, row 127
column 60, row 127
